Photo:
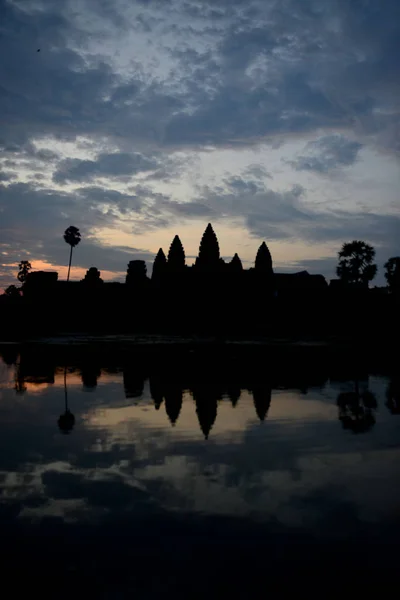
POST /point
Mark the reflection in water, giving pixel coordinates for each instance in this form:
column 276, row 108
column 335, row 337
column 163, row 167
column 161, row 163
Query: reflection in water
column 19, row 380
column 173, row 401
column 146, row 478
column 356, row 410
column 262, row 399
column 206, row 398
column 393, row 395
column 133, row 381
column 90, row 374
column 66, row 421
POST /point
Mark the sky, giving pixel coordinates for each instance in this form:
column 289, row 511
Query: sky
column 275, row 120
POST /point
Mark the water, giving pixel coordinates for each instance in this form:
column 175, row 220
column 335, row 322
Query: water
column 196, row 484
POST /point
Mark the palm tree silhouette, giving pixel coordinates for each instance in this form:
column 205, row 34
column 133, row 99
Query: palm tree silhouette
column 72, row 237
column 356, row 410
column 66, row 421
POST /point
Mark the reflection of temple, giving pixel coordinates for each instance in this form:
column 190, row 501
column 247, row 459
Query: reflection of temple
column 173, row 401
column 262, row 400
column 133, row 381
column 156, row 391
column 90, row 374
column 206, row 398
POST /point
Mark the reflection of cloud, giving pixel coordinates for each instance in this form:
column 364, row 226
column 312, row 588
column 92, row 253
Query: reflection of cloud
column 297, row 467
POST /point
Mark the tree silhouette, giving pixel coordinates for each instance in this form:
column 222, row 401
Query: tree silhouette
column 92, row 277
column 263, row 262
column 24, row 268
column 12, row 291
column 159, row 266
column 72, row 237
column 208, row 257
column 136, row 273
column 176, row 255
column 392, row 273
column 235, row 266
column 355, row 265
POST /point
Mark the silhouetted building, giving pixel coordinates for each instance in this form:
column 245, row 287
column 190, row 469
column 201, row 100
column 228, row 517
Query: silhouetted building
column 263, row 262
column 208, row 258
column 137, row 273
column 159, row 267
column 235, row 266
column 39, row 283
column 176, row 256
column 92, row 277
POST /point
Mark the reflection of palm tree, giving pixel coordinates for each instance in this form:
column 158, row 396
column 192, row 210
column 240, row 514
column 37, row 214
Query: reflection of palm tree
column 393, row 396
column 66, row 421
column 19, row 385
column 356, row 411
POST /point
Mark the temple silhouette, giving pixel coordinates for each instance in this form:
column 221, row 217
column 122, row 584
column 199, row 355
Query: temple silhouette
column 210, row 297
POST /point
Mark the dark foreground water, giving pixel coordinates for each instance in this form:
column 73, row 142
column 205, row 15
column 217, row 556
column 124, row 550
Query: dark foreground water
column 128, row 480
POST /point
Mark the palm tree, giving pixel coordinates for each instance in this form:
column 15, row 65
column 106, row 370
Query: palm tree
column 392, row 273
column 355, row 263
column 72, row 237
column 24, row 268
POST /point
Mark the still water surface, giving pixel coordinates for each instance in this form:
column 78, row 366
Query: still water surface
column 175, row 468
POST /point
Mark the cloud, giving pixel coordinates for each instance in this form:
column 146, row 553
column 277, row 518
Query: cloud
column 111, row 165
column 328, row 153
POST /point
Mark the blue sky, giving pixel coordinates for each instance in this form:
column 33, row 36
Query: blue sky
column 276, row 121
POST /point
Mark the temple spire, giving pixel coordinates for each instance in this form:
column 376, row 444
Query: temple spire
column 208, row 258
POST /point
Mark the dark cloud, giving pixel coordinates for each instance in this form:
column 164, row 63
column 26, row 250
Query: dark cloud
column 7, row 175
column 106, row 165
column 328, row 153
